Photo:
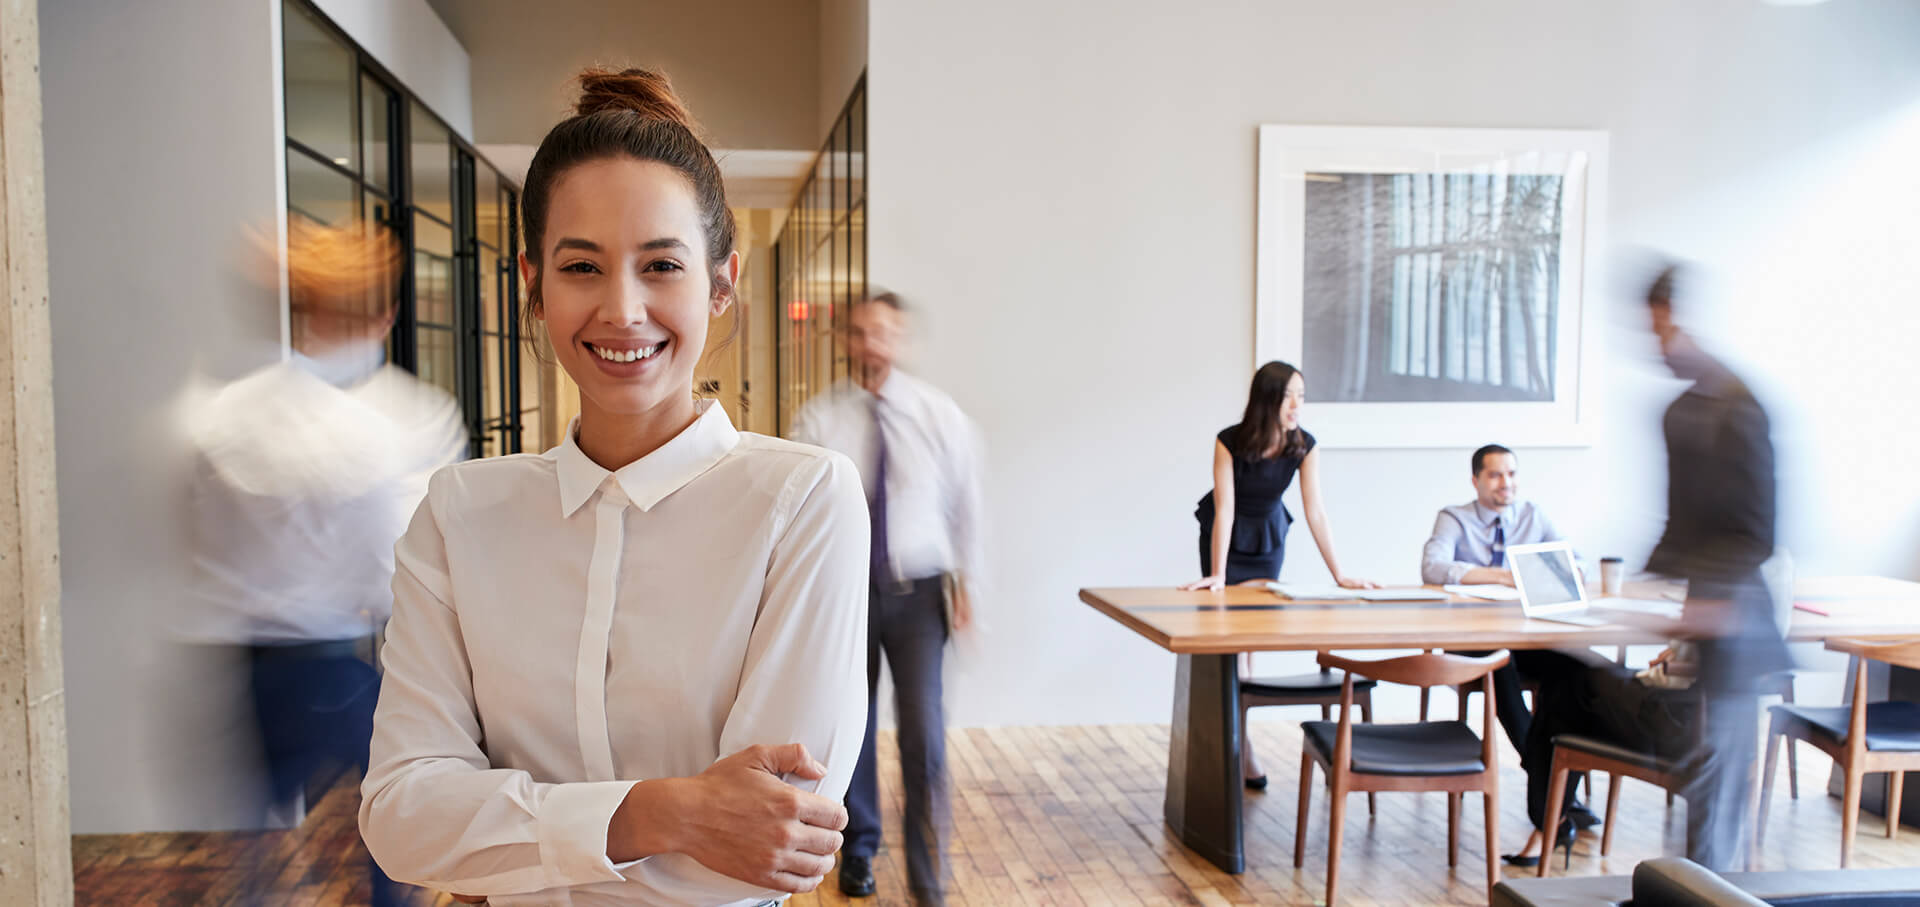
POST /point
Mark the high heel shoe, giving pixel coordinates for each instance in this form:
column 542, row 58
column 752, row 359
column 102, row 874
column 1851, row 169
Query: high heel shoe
column 1583, row 818
column 1563, row 839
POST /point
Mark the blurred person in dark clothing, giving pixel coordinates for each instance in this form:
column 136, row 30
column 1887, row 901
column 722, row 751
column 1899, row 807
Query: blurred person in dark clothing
column 1720, row 530
column 306, row 474
column 1697, row 703
column 1720, row 507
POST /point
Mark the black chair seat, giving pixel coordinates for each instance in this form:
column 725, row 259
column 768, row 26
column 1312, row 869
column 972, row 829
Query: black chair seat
column 1825, row 887
column 1891, row 726
column 1597, row 747
column 1309, row 684
column 1420, row 749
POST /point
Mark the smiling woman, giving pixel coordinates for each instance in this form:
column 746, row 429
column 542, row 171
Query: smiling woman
column 701, row 626
column 627, row 296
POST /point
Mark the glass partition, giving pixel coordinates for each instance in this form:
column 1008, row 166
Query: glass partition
column 820, row 265
column 361, row 149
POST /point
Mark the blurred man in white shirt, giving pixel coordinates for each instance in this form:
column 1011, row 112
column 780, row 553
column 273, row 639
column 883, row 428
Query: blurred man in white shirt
column 306, row 474
column 919, row 457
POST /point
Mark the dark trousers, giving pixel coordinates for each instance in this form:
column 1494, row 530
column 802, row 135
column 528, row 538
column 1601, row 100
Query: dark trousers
column 1711, row 734
column 910, row 626
column 1544, row 667
column 314, row 703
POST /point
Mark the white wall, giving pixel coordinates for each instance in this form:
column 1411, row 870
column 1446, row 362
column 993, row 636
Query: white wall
column 161, row 142
column 408, row 38
column 1069, row 189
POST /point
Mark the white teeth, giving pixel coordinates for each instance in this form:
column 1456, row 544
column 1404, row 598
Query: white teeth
column 627, row 355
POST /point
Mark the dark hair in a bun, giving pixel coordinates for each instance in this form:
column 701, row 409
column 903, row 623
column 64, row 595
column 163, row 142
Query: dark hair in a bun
column 642, row 91
column 626, row 113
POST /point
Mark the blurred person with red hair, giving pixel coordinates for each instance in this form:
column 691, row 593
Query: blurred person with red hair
column 306, row 473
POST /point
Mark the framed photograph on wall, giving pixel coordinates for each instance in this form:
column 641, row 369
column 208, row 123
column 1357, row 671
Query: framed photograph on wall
column 1434, row 285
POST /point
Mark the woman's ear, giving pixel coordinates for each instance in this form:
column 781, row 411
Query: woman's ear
column 726, row 284
column 529, row 278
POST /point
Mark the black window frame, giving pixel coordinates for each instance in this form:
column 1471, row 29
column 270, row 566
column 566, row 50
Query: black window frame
column 505, row 433
column 825, row 224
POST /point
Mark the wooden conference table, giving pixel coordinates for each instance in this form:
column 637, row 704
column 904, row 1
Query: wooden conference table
column 1208, row 630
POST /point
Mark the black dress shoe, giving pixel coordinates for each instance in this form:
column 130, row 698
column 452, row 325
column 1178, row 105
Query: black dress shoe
column 1583, row 818
column 856, row 876
column 1257, row 783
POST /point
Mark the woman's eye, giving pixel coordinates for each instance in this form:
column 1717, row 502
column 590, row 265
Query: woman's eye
column 663, row 265
column 579, row 267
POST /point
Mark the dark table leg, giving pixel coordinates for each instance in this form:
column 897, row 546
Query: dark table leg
column 1203, row 764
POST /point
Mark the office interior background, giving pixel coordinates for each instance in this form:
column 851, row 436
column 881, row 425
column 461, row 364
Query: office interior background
column 1066, row 190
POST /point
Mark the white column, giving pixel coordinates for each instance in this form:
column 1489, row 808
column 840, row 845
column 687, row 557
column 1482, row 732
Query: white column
column 36, row 864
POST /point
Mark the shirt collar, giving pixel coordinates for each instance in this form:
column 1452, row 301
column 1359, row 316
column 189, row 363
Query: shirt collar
column 890, row 389
column 648, row 480
column 350, row 364
column 1487, row 515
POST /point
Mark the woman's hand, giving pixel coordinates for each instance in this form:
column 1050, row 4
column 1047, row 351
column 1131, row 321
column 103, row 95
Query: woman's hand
column 737, row 818
column 1215, row 581
column 1348, row 582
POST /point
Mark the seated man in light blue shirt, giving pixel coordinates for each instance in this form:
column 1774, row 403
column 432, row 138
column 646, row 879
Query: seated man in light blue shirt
column 1469, row 546
column 1469, row 542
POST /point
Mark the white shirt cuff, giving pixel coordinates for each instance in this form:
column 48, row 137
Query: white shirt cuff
column 1456, row 573
column 573, row 831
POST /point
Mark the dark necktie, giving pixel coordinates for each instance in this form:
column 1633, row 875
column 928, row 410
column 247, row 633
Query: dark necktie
column 1499, row 544
column 877, row 505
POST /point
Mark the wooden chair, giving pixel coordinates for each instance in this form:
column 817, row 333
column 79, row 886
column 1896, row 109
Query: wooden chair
column 1862, row 738
column 1575, row 753
column 1465, row 690
column 1783, row 689
column 1785, row 692
column 1443, row 756
column 1321, row 688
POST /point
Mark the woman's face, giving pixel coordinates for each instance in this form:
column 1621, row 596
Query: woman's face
column 1291, row 403
column 624, row 284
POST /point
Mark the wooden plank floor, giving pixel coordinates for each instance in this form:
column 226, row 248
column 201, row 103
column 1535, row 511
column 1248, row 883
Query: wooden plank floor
column 1047, row 816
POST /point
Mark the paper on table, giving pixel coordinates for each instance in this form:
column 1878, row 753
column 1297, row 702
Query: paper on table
column 1489, row 591
column 1323, row 593
column 1403, row 595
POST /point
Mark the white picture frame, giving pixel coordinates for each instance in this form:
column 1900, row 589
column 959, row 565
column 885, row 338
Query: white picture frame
column 1566, row 417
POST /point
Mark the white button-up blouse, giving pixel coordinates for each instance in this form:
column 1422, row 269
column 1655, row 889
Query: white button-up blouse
column 560, row 632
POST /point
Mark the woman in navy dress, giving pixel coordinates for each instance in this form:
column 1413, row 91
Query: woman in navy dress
column 1243, row 524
